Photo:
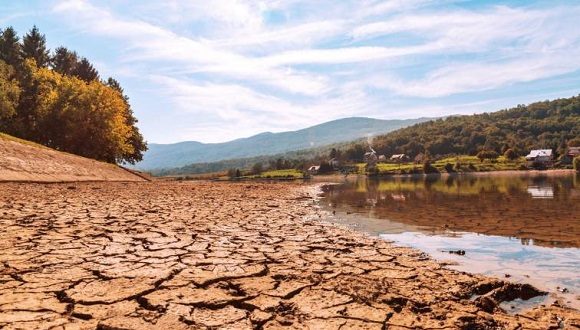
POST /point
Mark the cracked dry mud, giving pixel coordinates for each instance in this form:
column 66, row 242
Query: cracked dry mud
column 217, row 255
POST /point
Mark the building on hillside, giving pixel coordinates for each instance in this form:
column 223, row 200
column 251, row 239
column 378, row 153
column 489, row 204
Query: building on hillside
column 334, row 163
column 400, row 158
column 540, row 156
column 314, row 169
column 573, row 152
column 370, row 158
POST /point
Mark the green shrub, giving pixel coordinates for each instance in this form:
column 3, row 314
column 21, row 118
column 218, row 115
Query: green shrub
column 487, row 154
column 510, row 154
column 325, row 168
column 428, row 168
column 449, row 168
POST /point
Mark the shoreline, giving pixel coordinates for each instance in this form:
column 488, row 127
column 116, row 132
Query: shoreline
column 339, row 178
column 238, row 255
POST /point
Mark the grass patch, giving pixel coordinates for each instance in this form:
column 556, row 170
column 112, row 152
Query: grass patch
column 7, row 137
column 460, row 164
column 279, row 174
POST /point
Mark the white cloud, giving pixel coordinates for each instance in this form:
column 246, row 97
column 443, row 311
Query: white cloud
column 460, row 78
column 285, row 64
column 243, row 111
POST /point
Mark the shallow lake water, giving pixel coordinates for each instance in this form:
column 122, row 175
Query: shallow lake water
column 521, row 227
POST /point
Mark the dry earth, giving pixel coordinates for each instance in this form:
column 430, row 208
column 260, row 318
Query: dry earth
column 231, row 256
column 25, row 161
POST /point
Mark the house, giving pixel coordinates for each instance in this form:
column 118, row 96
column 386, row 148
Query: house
column 370, row 158
column 334, row 163
column 573, row 152
column 540, row 156
column 314, row 169
column 400, row 158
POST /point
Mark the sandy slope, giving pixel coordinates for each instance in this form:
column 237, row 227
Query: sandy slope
column 25, row 161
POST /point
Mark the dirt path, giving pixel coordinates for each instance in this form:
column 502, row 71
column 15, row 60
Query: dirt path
column 28, row 162
column 237, row 256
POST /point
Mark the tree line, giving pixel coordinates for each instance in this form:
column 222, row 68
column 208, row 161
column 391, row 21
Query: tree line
column 59, row 100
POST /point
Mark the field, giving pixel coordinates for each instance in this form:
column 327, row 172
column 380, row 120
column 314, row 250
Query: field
column 460, row 164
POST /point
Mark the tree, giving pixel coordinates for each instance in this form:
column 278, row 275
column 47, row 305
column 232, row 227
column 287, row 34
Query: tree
column 257, row 168
column 64, row 61
column 135, row 139
column 487, row 154
column 428, row 168
column 9, row 94
column 34, row 46
column 84, row 70
column 57, row 109
column 333, row 153
column 325, row 168
column 10, row 48
column 68, row 114
column 574, row 142
column 510, row 154
column 449, row 168
column 279, row 164
column 576, row 163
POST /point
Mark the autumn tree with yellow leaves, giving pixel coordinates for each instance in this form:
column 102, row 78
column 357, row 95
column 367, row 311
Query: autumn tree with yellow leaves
column 69, row 110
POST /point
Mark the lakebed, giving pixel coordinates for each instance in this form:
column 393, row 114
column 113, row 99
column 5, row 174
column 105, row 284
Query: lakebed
column 228, row 255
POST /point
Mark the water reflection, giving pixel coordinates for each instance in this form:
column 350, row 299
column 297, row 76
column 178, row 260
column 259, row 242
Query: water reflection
column 543, row 209
column 524, row 226
column 541, row 191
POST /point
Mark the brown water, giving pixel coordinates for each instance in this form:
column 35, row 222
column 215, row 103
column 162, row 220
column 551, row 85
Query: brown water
column 525, row 226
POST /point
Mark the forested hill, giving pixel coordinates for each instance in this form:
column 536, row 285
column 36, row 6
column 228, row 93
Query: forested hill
column 57, row 99
column 549, row 124
column 347, row 129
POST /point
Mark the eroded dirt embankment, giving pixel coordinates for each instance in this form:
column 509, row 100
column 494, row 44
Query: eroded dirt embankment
column 238, row 256
column 27, row 162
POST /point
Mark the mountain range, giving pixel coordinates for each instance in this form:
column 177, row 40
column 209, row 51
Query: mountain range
column 160, row 156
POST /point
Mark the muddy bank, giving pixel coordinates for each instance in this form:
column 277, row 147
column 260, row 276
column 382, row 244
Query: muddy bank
column 226, row 255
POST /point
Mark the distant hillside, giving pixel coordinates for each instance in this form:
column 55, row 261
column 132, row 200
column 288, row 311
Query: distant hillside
column 549, row 124
column 26, row 161
column 541, row 125
column 185, row 153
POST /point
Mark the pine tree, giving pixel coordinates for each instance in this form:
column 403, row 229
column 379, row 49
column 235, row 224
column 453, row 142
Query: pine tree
column 34, row 46
column 84, row 70
column 64, row 61
column 10, row 49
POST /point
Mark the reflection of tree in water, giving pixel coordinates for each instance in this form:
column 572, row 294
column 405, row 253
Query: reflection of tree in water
column 489, row 205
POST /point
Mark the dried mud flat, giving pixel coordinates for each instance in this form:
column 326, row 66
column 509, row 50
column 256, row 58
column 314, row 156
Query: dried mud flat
column 218, row 255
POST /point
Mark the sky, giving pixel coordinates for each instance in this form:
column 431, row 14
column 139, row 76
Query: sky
column 213, row 71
